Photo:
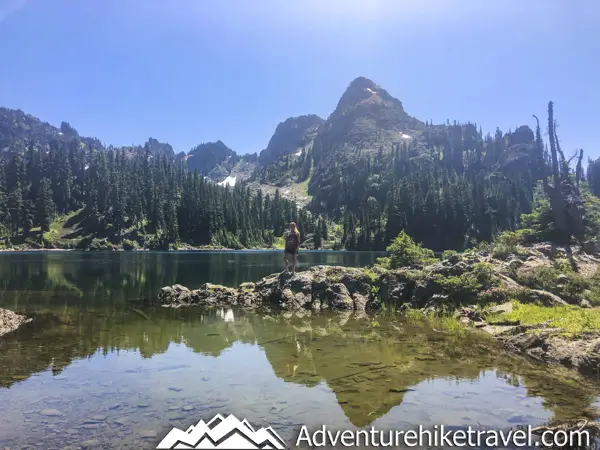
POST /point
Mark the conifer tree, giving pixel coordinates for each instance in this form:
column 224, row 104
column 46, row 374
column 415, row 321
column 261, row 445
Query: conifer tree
column 45, row 205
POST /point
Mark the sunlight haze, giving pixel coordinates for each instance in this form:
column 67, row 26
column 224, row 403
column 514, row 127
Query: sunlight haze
column 188, row 72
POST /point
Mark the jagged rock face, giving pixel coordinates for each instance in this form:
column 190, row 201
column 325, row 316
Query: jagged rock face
column 15, row 125
column 218, row 162
column 251, row 158
column 365, row 118
column 212, row 159
column 291, row 136
column 18, row 127
column 157, row 148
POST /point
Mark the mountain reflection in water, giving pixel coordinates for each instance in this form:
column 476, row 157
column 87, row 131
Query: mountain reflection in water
column 92, row 369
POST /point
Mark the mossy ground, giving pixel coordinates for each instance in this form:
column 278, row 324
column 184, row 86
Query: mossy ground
column 63, row 233
column 573, row 320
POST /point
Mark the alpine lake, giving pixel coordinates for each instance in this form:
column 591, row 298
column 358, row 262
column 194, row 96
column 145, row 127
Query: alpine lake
column 104, row 366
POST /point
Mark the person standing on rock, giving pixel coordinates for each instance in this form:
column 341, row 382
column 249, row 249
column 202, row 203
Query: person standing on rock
column 292, row 244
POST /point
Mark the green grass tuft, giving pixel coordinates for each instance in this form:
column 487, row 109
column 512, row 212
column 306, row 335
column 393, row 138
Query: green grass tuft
column 572, row 320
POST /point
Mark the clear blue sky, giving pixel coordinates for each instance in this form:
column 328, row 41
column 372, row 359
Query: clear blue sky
column 190, row 71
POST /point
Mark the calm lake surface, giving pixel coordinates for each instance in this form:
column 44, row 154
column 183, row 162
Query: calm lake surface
column 93, row 372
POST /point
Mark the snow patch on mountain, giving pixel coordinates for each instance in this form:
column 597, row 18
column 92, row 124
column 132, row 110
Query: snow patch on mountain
column 228, row 181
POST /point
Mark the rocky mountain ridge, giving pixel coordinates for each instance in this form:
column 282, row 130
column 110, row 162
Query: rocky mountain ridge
column 301, row 157
column 18, row 130
column 293, row 136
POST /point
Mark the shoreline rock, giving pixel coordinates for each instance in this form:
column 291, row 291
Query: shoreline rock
column 319, row 288
column 10, row 321
column 547, row 345
column 541, row 342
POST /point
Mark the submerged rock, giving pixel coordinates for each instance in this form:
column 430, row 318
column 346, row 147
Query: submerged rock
column 10, row 321
column 51, row 413
column 549, row 345
column 320, row 288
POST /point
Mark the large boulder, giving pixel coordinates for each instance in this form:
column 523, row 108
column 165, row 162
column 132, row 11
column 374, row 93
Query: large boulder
column 215, row 294
column 545, row 298
column 338, row 297
column 395, row 287
column 175, row 294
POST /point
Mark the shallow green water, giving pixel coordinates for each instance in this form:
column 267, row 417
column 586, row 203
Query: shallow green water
column 92, row 370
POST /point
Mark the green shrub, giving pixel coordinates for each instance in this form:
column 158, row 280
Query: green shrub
column 483, row 246
column 372, row 274
column 448, row 253
column 507, row 242
column 467, row 284
column 542, row 277
column 159, row 242
column 593, row 295
column 337, row 245
column 571, row 286
column 496, row 295
column 406, row 252
column 383, row 262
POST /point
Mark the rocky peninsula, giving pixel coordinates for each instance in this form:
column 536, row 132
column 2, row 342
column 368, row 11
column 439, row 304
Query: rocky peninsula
column 532, row 300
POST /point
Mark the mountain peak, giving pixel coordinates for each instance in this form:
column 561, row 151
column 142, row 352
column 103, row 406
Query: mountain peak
column 212, row 158
column 363, row 90
column 363, row 83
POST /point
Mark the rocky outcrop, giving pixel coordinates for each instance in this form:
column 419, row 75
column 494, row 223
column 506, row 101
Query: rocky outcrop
column 320, row 288
column 10, row 321
column 292, row 135
column 540, row 341
column 549, row 345
column 213, row 159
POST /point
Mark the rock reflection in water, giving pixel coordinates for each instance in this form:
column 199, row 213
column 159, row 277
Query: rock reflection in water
column 119, row 379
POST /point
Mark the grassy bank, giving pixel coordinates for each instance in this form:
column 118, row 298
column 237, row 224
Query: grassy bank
column 574, row 321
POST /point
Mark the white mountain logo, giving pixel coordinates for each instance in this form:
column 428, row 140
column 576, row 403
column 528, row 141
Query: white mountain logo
column 225, row 434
